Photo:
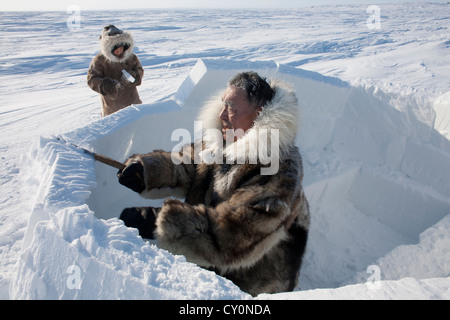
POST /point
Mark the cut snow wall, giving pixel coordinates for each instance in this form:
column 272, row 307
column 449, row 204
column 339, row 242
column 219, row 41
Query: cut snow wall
column 368, row 179
column 442, row 109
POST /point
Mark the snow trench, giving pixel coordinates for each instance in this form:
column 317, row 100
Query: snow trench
column 377, row 179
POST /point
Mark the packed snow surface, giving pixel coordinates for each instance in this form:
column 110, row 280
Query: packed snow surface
column 374, row 136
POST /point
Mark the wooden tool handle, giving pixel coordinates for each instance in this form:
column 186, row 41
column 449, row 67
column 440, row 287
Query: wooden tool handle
column 108, row 161
column 101, row 158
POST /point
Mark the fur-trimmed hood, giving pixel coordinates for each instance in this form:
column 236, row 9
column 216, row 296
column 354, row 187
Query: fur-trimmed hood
column 110, row 41
column 281, row 114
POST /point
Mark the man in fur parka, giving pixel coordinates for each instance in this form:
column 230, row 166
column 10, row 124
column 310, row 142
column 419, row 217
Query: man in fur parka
column 105, row 74
column 246, row 226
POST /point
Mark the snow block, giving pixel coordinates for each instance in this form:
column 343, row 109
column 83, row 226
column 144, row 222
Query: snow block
column 373, row 180
column 442, row 109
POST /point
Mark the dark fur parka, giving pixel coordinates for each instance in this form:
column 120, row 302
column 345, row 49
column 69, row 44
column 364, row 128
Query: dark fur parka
column 248, row 227
column 105, row 73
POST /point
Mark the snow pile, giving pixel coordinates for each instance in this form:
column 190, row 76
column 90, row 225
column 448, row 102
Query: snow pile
column 377, row 178
column 405, row 289
column 74, row 255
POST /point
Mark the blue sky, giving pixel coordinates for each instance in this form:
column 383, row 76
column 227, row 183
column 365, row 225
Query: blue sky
column 31, row 5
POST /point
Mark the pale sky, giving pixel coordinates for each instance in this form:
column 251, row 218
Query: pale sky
column 46, row 5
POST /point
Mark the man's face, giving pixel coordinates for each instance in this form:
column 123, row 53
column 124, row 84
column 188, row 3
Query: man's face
column 237, row 112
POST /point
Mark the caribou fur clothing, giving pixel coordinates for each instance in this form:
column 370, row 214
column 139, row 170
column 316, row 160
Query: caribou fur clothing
column 105, row 73
column 246, row 226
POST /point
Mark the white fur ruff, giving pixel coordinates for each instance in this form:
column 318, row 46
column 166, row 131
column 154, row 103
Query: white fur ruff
column 107, row 44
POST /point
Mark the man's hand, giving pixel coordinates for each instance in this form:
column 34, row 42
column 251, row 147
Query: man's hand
column 142, row 219
column 132, row 177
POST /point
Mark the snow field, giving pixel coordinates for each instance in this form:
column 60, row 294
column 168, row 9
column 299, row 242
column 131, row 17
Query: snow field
column 380, row 125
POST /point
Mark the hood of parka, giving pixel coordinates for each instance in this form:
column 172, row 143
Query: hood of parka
column 279, row 119
column 112, row 38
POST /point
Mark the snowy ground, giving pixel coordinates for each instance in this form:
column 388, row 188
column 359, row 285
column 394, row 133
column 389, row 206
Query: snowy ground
column 375, row 145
